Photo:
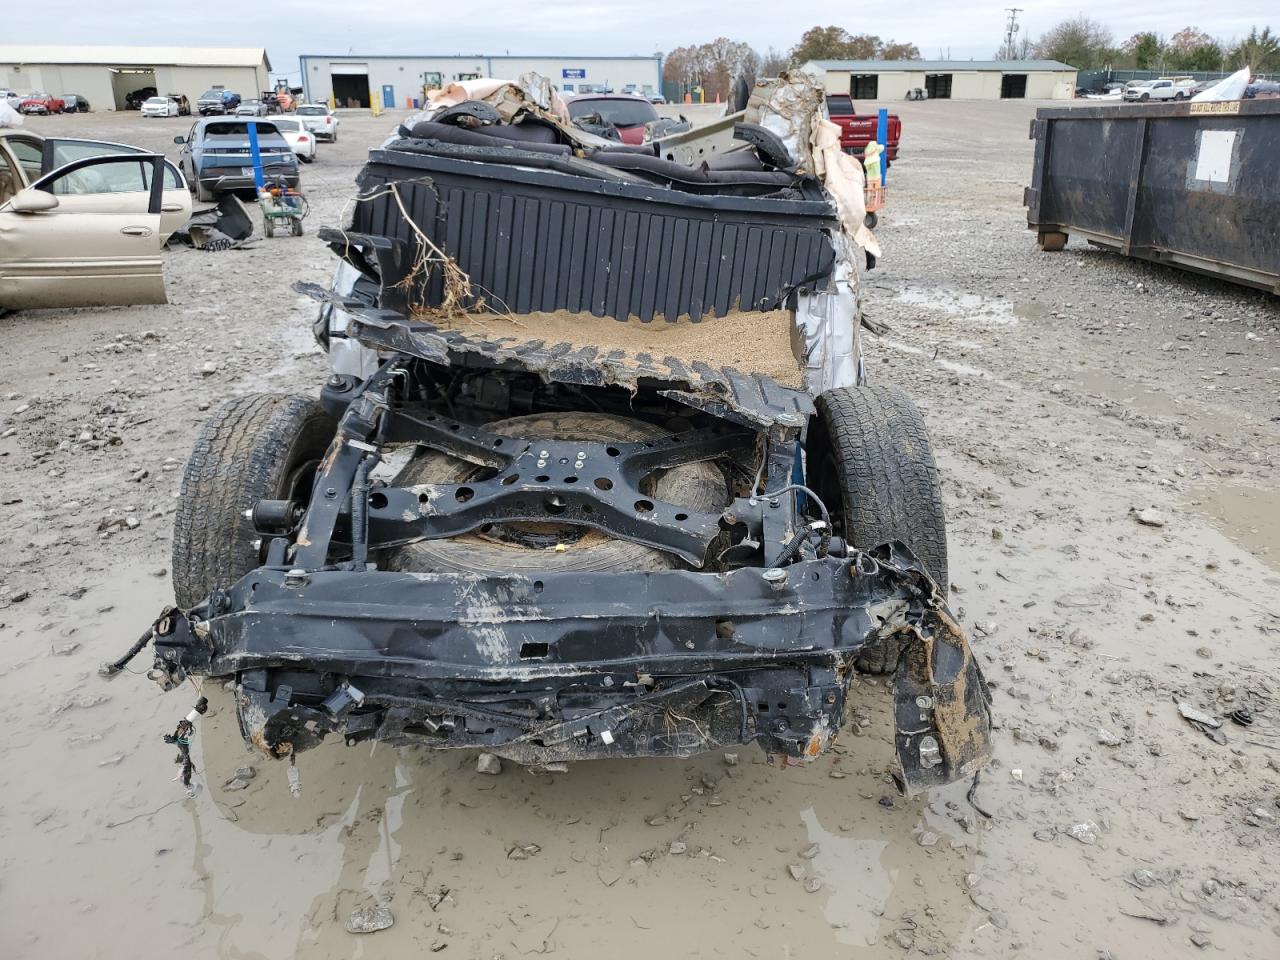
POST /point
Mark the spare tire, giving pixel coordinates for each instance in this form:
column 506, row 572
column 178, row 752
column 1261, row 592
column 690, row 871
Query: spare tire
column 538, row 547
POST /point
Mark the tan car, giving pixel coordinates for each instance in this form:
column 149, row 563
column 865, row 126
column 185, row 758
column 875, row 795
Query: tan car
column 83, row 222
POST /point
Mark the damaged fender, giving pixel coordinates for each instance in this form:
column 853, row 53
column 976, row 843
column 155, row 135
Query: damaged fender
column 942, row 708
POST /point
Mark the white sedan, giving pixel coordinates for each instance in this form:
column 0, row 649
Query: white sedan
column 300, row 138
column 160, row 107
column 319, row 119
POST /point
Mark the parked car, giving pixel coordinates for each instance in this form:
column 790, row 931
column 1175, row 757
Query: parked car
column 1262, row 89
column 74, row 103
column 135, row 99
column 160, row 107
column 320, row 120
column 300, row 138
column 251, row 108
column 1163, row 89
column 857, row 130
column 217, row 100
column 652, row 95
column 184, row 105
column 598, row 541
column 216, row 157
column 600, row 113
column 41, row 103
column 14, row 100
column 80, row 222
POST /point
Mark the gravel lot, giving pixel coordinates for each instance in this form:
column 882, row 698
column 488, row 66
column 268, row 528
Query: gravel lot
column 1066, row 393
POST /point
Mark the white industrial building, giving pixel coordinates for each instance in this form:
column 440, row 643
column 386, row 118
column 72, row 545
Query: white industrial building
column 396, row 81
column 948, row 79
column 106, row 75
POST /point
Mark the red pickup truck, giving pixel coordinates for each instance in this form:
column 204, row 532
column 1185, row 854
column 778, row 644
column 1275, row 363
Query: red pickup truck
column 857, row 131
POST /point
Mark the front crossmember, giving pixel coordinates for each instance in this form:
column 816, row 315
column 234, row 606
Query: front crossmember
column 581, row 665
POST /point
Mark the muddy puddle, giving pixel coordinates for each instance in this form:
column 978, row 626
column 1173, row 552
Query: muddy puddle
column 700, row 853
column 967, row 307
column 1249, row 516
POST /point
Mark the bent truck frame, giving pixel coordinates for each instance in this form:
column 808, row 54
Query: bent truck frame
column 516, row 532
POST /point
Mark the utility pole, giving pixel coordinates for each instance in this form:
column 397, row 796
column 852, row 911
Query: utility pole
column 1011, row 31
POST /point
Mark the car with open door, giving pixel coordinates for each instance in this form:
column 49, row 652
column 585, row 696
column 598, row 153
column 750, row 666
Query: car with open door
column 83, row 223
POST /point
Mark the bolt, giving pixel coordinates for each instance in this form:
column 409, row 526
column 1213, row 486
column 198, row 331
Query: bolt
column 930, row 755
column 542, row 463
column 331, row 493
column 831, row 698
column 775, row 578
column 295, row 577
column 578, row 465
column 543, row 453
column 582, row 454
column 608, row 681
column 924, row 703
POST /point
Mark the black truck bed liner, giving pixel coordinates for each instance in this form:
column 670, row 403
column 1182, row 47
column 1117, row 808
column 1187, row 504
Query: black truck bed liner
column 534, row 239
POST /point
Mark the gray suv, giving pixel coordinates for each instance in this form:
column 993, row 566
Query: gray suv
column 216, row 156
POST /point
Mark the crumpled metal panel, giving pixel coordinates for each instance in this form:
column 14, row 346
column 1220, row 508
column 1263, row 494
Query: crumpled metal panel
column 747, row 398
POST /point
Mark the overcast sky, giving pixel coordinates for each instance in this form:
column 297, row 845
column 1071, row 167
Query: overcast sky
column 290, row 27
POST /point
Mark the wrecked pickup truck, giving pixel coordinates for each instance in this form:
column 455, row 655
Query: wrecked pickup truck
column 598, row 472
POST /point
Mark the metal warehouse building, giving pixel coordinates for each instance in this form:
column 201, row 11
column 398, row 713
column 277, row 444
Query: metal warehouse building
column 105, row 75
column 948, row 79
column 396, row 80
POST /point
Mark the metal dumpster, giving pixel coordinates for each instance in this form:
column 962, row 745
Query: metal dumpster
column 1194, row 185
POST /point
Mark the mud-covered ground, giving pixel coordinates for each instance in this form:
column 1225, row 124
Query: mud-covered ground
column 1066, row 394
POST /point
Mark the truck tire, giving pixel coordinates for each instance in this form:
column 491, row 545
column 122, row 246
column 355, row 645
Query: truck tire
column 870, row 460
column 532, row 548
column 255, row 447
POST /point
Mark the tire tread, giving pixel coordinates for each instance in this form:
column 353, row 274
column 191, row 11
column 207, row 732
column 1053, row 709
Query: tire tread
column 888, row 481
column 243, row 454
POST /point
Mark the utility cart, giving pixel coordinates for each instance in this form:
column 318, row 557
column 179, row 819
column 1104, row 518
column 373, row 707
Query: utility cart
column 283, row 207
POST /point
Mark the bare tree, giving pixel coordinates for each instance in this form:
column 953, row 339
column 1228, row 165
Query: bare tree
column 772, row 62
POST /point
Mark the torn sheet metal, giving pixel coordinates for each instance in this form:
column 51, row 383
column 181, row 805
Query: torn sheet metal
column 531, row 90
column 829, row 321
column 942, row 707
column 846, row 181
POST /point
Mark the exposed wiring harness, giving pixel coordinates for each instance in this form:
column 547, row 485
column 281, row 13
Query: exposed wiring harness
column 822, row 528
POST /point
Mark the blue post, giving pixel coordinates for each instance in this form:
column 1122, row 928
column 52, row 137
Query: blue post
column 882, row 137
column 256, row 155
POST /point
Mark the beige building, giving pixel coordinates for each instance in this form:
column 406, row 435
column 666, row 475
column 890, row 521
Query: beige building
column 106, row 75
column 948, row 79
